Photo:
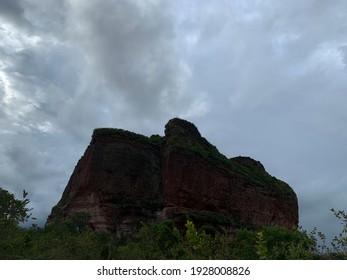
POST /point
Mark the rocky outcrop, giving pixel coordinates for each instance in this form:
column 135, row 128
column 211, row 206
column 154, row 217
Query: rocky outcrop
column 124, row 178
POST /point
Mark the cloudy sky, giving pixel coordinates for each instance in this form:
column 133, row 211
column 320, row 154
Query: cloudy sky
column 266, row 79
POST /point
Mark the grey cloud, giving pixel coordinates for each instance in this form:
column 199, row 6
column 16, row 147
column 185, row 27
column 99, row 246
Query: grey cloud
column 41, row 79
column 48, row 18
column 51, row 63
column 129, row 45
column 11, row 7
column 13, row 11
column 35, row 17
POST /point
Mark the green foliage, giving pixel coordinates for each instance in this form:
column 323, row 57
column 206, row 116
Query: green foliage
column 75, row 225
column 70, row 239
column 243, row 245
column 153, row 241
column 319, row 239
column 13, row 239
column 155, row 139
column 117, row 132
column 200, row 147
column 261, row 177
column 211, row 217
column 73, row 239
column 164, row 241
column 339, row 242
column 261, row 247
column 283, row 244
column 111, row 132
column 200, row 244
column 13, row 209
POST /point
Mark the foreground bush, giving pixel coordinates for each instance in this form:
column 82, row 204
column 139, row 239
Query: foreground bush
column 73, row 239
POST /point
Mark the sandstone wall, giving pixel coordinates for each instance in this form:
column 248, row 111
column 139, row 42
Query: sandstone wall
column 124, row 178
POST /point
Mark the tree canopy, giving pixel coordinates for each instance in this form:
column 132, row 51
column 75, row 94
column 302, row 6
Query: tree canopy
column 13, row 209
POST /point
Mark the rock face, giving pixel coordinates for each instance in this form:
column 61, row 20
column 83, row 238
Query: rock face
column 124, row 178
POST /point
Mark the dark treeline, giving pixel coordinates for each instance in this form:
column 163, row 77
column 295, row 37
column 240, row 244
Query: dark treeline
column 73, row 239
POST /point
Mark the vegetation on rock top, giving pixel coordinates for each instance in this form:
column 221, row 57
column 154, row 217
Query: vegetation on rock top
column 204, row 149
column 118, row 132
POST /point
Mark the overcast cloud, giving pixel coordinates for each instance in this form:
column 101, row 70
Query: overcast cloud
column 265, row 79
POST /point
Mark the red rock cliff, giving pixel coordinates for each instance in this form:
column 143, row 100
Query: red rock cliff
column 124, row 178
